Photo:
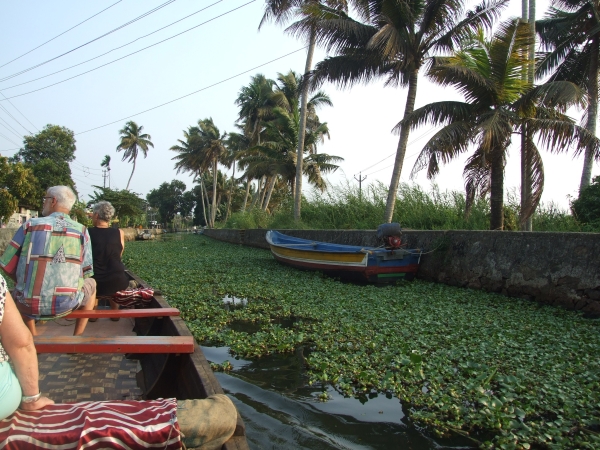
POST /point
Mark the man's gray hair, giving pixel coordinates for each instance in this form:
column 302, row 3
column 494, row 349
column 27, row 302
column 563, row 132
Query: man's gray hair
column 105, row 210
column 64, row 195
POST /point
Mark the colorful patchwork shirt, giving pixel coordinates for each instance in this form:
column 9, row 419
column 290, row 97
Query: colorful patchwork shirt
column 49, row 257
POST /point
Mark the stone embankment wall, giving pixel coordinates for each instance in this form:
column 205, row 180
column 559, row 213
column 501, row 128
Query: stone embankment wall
column 551, row 268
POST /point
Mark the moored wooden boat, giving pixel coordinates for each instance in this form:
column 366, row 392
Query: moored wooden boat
column 370, row 264
column 85, row 376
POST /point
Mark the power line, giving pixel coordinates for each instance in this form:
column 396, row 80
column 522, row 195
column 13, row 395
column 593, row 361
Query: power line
column 84, row 166
column 9, row 140
column 20, row 111
column 89, row 42
column 10, row 150
column 41, row 45
column 13, row 117
column 10, row 128
column 192, row 93
column 112, row 50
column 130, row 54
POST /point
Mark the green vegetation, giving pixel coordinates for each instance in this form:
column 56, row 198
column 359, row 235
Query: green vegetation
column 587, row 206
column 345, row 207
column 509, row 373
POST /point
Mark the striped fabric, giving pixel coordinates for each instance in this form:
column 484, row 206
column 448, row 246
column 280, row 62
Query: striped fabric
column 132, row 297
column 94, row 425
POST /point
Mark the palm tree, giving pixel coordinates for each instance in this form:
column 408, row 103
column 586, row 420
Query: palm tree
column 499, row 102
column 276, row 157
column 281, row 11
column 132, row 140
column 570, row 33
column 201, row 150
column 394, row 40
column 106, row 163
column 236, row 144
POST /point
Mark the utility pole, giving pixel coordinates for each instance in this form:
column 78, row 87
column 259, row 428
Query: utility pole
column 104, row 175
column 360, row 179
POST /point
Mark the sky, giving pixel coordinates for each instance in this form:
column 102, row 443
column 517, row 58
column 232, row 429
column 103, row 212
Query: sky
column 197, row 73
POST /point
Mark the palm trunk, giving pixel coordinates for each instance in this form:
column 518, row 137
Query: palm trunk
column 247, row 194
column 497, row 190
column 270, row 191
column 401, row 150
column 263, row 191
column 131, row 176
column 230, row 193
column 302, row 127
column 213, row 212
column 204, row 196
column 592, row 113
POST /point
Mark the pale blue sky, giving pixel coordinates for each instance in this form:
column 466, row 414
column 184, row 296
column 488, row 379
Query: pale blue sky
column 360, row 121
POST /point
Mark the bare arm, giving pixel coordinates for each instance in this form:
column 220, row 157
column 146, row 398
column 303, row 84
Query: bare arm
column 122, row 241
column 18, row 343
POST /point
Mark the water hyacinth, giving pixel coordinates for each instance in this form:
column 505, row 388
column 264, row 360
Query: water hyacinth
column 508, row 373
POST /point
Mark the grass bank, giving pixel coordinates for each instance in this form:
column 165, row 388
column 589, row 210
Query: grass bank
column 345, row 207
column 509, row 373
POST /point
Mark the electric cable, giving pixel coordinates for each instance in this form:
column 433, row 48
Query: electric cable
column 8, row 139
column 191, row 93
column 130, row 54
column 10, row 150
column 19, row 111
column 112, row 50
column 89, row 42
column 84, row 166
column 50, row 40
column 10, row 128
column 13, row 117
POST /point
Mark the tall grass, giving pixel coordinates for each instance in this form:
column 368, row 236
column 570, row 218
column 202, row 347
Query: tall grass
column 346, row 207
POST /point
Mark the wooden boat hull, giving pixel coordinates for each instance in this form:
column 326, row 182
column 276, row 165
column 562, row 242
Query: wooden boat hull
column 370, row 264
column 185, row 376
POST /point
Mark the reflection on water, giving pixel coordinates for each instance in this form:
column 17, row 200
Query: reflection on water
column 282, row 412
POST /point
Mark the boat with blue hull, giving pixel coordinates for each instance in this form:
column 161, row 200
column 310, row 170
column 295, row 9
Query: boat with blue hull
column 380, row 265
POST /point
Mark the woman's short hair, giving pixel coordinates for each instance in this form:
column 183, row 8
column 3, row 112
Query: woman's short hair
column 64, row 196
column 105, row 210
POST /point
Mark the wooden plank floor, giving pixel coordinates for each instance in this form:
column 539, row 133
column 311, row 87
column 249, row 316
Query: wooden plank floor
column 88, row 377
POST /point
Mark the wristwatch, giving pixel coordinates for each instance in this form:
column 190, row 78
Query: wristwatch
column 31, row 398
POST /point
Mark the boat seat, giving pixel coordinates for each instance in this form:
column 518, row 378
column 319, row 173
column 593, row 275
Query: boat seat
column 117, row 313
column 115, row 344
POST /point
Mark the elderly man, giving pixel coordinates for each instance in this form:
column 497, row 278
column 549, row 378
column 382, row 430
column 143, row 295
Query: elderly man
column 50, row 259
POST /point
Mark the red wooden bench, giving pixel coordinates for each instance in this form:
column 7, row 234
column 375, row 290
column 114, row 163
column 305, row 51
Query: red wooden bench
column 117, row 313
column 116, row 344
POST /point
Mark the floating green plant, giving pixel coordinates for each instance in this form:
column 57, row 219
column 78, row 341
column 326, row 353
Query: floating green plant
column 508, row 373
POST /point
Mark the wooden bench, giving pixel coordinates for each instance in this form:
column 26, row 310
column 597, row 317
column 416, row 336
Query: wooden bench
column 117, row 313
column 116, row 344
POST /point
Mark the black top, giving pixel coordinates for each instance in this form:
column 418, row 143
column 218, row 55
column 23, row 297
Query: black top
column 109, row 271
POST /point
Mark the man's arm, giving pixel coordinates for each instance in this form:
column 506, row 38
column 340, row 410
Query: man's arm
column 10, row 258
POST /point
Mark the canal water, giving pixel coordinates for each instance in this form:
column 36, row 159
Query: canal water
column 281, row 411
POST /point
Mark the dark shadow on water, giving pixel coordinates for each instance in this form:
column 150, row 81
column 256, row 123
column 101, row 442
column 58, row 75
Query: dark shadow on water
column 282, row 412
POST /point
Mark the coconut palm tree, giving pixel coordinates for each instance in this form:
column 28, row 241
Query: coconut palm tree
column 499, row 102
column 106, row 163
column 236, row 144
column 570, row 33
column 281, row 11
column 132, row 141
column 201, row 150
column 393, row 41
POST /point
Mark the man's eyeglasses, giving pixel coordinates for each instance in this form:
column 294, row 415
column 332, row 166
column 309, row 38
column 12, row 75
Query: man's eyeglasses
column 44, row 199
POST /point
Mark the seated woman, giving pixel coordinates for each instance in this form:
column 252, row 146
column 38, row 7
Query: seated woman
column 18, row 388
column 107, row 248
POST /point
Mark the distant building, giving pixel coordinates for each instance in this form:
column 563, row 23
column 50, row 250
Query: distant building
column 19, row 218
